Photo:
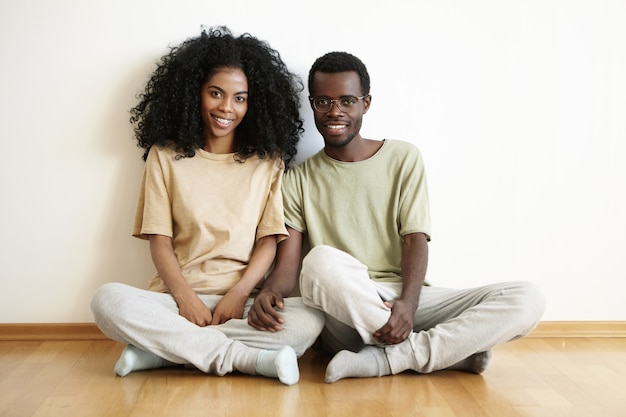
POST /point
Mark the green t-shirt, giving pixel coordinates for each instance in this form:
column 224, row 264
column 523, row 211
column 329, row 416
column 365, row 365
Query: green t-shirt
column 362, row 208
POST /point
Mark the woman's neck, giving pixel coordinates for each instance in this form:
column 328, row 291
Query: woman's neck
column 219, row 145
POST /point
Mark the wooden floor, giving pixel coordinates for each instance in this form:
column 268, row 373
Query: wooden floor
column 547, row 377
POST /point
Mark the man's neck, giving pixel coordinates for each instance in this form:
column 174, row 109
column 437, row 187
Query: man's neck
column 359, row 149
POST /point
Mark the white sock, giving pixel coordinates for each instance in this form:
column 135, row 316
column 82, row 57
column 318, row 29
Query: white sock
column 370, row 361
column 477, row 363
column 281, row 364
column 135, row 359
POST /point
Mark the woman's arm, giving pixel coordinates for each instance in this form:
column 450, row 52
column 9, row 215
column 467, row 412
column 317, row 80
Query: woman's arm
column 265, row 312
column 189, row 305
column 231, row 306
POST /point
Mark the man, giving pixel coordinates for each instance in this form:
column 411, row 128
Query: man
column 363, row 205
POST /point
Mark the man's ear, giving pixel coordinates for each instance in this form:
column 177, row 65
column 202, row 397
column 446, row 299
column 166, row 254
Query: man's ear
column 366, row 103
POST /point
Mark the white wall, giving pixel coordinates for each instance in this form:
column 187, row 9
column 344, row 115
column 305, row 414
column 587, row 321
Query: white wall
column 518, row 107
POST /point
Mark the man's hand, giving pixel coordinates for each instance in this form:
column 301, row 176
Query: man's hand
column 263, row 314
column 414, row 262
column 400, row 324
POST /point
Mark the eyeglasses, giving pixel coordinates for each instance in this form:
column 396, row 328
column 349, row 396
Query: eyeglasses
column 345, row 104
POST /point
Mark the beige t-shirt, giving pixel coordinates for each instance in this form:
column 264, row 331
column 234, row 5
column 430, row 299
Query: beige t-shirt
column 214, row 208
column 362, row 208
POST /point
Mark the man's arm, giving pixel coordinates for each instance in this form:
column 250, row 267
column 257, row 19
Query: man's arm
column 414, row 265
column 264, row 313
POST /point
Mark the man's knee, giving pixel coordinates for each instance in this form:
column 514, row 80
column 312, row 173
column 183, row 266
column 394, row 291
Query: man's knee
column 325, row 262
column 320, row 258
column 533, row 299
column 317, row 266
column 527, row 303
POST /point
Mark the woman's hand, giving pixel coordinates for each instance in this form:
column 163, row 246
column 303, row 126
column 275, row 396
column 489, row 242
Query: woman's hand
column 231, row 306
column 194, row 310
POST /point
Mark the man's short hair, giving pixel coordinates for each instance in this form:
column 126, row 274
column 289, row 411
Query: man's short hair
column 333, row 62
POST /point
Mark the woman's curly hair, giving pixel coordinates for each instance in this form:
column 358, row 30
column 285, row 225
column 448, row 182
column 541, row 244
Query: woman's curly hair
column 169, row 114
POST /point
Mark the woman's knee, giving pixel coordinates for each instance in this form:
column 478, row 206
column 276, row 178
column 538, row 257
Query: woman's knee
column 109, row 297
column 304, row 324
column 307, row 318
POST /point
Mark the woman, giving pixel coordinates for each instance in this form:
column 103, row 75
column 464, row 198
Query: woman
column 218, row 122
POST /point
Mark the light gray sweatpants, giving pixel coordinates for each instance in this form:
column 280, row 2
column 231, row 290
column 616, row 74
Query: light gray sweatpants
column 450, row 325
column 150, row 321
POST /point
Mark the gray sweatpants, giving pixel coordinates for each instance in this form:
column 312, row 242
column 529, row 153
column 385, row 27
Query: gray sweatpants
column 150, row 321
column 449, row 326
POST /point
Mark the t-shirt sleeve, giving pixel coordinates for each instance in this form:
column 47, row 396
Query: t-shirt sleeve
column 273, row 220
column 414, row 208
column 154, row 208
column 292, row 199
